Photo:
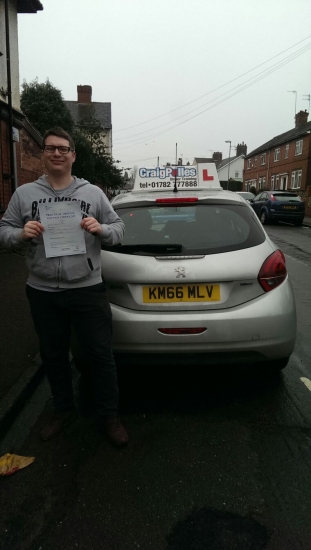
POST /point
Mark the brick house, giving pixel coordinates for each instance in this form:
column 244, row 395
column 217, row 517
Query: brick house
column 84, row 110
column 283, row 163
column 26, row 144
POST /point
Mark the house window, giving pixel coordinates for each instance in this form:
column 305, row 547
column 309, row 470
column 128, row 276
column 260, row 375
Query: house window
column 298, row 149
column 276, row 154
column 286, row 151
column 249, row 164
column 263, row 159
column 296, row 179
column 236, row 174
column 263, row 182
column 277, row 182
column 259, row 183
column 272, row 182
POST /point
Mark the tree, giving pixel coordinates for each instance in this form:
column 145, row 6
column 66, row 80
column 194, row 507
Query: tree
column 105, row 173
column 253, row 190
column 43, row 104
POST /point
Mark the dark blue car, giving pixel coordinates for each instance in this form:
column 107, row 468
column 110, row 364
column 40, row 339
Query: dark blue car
column 279, row 206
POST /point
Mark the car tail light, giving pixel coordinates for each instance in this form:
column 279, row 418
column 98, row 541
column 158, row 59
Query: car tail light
column 197, row 330
column 175, row 199
column 273, row 271
column 272, row 198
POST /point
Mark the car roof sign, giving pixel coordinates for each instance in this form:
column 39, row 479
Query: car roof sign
column 188, row 178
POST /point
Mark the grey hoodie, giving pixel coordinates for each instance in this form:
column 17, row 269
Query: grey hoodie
column 67, row 271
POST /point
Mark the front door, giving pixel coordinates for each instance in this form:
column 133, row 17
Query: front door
column 284, row 183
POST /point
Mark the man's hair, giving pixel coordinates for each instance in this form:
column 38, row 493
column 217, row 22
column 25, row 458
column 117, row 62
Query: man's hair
column 59, row 132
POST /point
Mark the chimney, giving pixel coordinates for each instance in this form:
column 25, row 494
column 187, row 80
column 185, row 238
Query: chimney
column 241, row 149
column 84, row 94
column 301, row 118
column 217, row 156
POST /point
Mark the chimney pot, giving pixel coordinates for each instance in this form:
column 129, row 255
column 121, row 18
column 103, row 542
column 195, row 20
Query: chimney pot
column 84, row 94
column 217, row 156
column 241, row 149
column 301, row 118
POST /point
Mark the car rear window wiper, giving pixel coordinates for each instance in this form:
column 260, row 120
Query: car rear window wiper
column 152, row 248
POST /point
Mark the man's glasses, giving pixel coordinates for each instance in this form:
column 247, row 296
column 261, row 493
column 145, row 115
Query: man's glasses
column 61, row 149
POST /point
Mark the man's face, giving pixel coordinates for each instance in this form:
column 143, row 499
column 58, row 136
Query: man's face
column 58, row 164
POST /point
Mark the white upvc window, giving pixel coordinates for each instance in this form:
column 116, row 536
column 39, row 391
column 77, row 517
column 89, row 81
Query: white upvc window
column 263, row 159
column 236, row 174
column 276, row 154
column 286, row 151
column 249, row 164
column 296, row 179
column 277, row 182
column 263, row 182
column 298, row 148
column 272, row 182
column 259, row 183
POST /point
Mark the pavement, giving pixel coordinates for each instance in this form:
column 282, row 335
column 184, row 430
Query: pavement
column 20, row 365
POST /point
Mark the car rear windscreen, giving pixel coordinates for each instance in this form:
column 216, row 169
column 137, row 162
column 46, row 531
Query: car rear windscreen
column 284, row 197
column 199, row 229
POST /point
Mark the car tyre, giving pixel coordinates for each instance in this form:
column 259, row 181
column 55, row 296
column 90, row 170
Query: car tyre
column 263, row 217
column 279, row 364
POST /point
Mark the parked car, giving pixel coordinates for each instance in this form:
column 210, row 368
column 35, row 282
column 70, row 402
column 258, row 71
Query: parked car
column 196, row 278
column 246, row 195
column 279, row 206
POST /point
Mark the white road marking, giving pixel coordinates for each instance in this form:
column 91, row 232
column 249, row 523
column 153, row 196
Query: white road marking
column 306, row 382
column 298, row 261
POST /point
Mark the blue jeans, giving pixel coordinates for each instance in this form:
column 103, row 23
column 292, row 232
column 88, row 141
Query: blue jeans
column 88, row 311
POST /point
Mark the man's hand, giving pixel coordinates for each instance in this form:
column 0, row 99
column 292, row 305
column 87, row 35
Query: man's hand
column 91, row 226
column 32, row 230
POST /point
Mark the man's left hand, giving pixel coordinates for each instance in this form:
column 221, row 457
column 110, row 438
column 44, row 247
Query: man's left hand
column 91, row 226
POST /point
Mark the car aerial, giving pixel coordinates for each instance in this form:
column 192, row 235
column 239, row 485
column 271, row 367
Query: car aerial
column 247, row 195
column 196, row 278
column 279, row 206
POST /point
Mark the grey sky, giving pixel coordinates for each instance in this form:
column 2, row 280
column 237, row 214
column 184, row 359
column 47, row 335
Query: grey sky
column 151, row 57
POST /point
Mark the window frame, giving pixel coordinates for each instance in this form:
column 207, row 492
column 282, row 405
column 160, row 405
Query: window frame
column 296, row 177
column 298, row 147
column 263, row 159
column 277, row 154
column 286, row 151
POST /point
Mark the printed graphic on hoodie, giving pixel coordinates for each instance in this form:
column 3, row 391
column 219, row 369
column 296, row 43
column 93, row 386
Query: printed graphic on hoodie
column 85, row 206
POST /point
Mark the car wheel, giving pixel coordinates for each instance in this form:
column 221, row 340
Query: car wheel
column 279, row 364
column 263, row 217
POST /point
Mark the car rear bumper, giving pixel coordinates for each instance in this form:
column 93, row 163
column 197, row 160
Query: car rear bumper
column 287, row 216
column 261, row 329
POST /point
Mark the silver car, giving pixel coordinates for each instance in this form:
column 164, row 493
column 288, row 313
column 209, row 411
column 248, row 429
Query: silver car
column 197, row 277
column 246, row 195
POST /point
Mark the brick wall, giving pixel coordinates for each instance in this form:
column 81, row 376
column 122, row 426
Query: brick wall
column 29, row 164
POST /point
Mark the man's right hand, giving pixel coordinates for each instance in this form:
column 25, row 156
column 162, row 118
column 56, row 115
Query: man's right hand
column 32, row 230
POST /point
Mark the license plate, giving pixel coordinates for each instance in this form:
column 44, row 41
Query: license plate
column 181, row 293
column 290, row 207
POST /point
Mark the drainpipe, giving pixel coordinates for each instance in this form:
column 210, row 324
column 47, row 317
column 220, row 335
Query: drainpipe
column 10, row 110
column 268, row 168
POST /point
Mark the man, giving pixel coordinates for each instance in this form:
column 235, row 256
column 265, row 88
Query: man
column 68, row 290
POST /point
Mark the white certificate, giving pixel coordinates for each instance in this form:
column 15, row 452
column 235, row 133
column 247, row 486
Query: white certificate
column 63, row 234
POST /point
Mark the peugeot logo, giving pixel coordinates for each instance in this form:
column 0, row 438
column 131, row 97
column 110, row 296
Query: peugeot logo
column 180, row 272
